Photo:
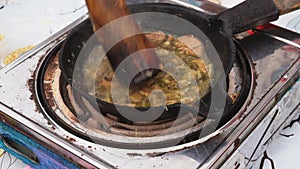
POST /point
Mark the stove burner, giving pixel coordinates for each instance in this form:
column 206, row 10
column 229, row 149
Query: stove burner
column 61, row 103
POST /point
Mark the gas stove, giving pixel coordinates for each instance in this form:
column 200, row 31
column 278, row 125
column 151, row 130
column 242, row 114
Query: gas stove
column 44, row 133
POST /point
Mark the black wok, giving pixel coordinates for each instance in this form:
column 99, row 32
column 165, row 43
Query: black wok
column 219, row 29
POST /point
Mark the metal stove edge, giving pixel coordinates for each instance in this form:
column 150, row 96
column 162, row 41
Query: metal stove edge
column 38, row 131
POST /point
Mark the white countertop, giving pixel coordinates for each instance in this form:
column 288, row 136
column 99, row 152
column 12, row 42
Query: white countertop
column 29, row 22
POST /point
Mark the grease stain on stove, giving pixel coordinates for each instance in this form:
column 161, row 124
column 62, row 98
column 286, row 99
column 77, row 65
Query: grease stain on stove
column 155, row 154
column 53, row 128
column 30, row 84
column 134, row 154
column 71, row 159
column 70, row 139
column 237, row 142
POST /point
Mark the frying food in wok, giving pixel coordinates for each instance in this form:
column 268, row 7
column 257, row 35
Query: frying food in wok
column 162, row 89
